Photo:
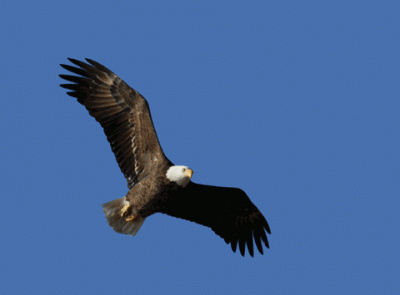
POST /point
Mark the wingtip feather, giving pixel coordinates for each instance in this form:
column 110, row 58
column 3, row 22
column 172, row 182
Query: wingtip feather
column 97, row 65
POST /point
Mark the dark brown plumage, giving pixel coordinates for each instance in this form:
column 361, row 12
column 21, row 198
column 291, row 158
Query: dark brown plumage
column 122, row 112
column 227, row 211
column 155, row 184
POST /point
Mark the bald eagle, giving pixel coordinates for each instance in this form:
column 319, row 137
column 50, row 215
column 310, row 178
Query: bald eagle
column 155, row 183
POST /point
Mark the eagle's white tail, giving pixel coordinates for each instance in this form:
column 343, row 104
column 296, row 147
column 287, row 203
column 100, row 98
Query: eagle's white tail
column 112, row 210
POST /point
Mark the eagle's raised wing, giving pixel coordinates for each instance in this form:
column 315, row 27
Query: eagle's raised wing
column 122, row 112
column 227, row 211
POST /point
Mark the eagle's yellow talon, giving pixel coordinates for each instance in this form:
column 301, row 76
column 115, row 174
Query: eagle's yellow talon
column 132, row 217
column 125, row 209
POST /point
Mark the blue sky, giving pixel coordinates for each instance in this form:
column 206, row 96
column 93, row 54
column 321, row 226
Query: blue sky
column 297, row 103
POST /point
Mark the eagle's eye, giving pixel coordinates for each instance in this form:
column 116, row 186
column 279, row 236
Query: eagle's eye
column 183, row 169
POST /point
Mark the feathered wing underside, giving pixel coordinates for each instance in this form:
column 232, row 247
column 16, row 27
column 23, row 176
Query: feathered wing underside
column 122, row 112
column 227, row 211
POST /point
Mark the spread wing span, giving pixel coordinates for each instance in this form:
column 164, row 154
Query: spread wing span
column 227, row 211
column 122, row 112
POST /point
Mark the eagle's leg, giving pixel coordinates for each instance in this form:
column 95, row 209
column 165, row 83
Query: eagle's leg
column 132, row 217
column 125, row 209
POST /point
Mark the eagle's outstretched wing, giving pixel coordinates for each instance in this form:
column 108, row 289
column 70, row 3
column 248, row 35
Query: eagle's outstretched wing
column 122, row 112
column 227, row 211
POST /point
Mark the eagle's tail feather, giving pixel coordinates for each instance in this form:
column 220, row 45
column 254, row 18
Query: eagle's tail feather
column 112, row 210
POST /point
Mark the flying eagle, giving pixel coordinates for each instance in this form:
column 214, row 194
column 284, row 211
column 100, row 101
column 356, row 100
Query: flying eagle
column 155, row 184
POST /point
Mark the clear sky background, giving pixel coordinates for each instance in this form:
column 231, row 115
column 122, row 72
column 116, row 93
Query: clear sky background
column 295, row 102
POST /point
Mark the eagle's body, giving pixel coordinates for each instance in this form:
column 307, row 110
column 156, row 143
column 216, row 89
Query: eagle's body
column 155, row 184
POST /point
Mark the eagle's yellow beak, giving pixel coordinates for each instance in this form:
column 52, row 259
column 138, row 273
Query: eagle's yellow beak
column 188, row 173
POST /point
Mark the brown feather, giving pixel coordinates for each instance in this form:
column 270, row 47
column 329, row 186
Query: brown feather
column 123, row 113
column 227, row 211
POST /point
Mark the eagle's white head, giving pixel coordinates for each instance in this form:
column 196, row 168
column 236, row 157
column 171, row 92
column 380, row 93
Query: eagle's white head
column 179, row 174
